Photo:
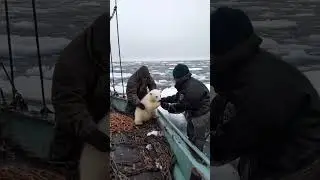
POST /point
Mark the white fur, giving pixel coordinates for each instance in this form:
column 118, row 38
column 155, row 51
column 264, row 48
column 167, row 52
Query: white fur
column 151, row 101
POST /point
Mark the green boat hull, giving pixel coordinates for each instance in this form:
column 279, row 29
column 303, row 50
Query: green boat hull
column 33, row 134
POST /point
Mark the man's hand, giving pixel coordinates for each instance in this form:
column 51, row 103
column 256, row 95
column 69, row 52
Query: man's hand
column 163, row 100
column 165, row 105
column 141, row 106
column 99, row 140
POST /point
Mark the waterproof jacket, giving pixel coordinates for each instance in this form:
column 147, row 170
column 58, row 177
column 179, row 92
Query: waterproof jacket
column 138, row 84
column 193, row 97
column 276, row 128
column 80, row 92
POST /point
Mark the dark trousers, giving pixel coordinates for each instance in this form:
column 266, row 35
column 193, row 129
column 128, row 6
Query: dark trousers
column 130, row 108
column 197, row 128
column 65, row 151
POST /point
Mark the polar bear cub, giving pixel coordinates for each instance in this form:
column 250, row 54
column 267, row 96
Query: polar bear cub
column 151, row 101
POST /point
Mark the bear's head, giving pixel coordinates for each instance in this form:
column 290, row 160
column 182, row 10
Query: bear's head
column 155, row 95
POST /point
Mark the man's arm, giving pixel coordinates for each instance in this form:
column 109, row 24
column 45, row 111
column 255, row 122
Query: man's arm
column 176, row 105
column 151, row 84
column 258, row 118
column 132, row 91
column 71, row 78
column 217, row 106
column 170, row 99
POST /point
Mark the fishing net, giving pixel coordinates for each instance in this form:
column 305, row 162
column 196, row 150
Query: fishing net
column 120, row 123
column 136, row 154
column 14, row 167
column 27, row 173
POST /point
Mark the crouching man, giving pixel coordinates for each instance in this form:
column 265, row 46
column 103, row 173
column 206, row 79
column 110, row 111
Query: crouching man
column 80, row 97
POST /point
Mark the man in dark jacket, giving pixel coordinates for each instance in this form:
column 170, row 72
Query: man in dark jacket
column 80, row 93
column 276, row 127
column 137, row 87
column 193, row 98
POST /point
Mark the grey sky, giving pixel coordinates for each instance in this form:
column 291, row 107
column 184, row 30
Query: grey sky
column 162, row 29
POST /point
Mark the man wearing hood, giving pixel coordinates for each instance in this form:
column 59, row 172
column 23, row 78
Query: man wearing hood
column 193, row 98
column 276, row 127
column 80, row 97
column 137, row 87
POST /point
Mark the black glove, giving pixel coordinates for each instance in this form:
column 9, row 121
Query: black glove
column 141, row 106
column 165, row 105
column 99, row 140
column 163, row 100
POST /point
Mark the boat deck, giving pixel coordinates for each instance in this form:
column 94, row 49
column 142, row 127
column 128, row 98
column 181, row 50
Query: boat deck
column 136, row 155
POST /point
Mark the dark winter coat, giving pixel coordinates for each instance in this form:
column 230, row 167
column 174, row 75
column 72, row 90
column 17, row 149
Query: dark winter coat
column 277, row 123
column 193, row 97
column 138, row 85
column 80, row 92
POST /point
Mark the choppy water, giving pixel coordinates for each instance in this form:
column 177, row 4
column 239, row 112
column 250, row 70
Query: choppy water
column 290, row 28
column 160, row 71
column 58, row 22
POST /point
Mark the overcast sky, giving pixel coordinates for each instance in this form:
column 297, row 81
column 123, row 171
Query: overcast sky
column 161, row 29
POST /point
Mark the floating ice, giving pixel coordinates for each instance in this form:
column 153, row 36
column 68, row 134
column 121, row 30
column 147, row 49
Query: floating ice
column 283, row 49
column 91, row 3
column 302, row 15
column 118, row 75
column 47, row 72
column 29, row 87
column 119, row 88
column 172, row 90
column 195, row 69
column 300, row 56
column 313, row 76
column 29, row 24
column 199, row 77
column 26, row 45
column 314, row 37
column 274, row 24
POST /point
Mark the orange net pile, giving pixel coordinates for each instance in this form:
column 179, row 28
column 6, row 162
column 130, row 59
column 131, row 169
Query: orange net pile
column 120, row 123
column 26, row 173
